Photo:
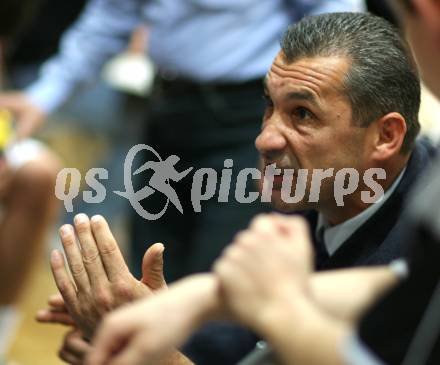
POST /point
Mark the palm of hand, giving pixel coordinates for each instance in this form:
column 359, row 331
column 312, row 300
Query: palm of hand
column 101, row 278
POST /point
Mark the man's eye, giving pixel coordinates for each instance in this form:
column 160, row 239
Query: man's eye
column 302, row 113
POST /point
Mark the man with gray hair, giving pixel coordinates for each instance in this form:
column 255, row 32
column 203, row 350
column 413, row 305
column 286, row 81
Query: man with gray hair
column 332, row 105
column 344, row 93
column 402, row 328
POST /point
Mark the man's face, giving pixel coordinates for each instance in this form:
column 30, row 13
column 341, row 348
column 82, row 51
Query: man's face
column 308, row 125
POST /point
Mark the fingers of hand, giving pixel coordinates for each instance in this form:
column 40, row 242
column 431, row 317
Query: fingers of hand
column 254, row 246
column 262, row 223
column 62, row 279
column 56, row 301
column 293, row 226
column 50, row 316
column 298, row 232
column 90, row 253
column 75, row 344
column 291, row 232
column 69, row 358
column 109, row 251
column 74, row 258
column 74, row 348
column 152, row 267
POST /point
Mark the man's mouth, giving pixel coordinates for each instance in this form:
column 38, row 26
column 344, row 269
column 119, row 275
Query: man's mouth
column 278, row 182
column 279, row 178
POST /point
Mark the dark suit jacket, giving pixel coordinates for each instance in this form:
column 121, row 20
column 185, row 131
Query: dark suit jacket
column 379, row 241
column 409, row 314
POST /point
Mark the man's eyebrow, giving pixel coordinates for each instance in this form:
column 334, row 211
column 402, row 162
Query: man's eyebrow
column 302, row 95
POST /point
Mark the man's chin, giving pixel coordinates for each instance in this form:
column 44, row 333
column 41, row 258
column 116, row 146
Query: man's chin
column 281, row 205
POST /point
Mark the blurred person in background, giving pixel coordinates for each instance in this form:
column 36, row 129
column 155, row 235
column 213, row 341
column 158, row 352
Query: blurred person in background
column 81, row 124
column 27, row 180
column 206, row 105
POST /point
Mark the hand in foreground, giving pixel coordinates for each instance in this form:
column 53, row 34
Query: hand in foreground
column 56, row 313
column 29, row 118
column 148, row 330
column 74, row 348
column 266, row 266
column 102, row 280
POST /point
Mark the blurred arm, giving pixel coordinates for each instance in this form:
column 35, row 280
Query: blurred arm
column 102, row 30
column 346, row 294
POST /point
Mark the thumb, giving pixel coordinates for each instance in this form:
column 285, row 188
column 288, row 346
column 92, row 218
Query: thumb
column 152, row 267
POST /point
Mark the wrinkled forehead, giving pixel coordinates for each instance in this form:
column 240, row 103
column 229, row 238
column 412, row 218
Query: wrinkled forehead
column 319, row 75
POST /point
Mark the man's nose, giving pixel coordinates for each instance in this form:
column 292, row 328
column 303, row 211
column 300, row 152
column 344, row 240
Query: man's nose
column 270, row 143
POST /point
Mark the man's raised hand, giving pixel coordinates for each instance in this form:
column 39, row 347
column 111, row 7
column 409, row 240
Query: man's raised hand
column 101, row 278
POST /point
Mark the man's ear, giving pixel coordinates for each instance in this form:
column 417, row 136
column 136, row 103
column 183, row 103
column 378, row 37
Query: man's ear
column 430, row 12
column 389, row 134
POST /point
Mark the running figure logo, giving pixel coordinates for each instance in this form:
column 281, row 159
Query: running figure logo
column 164, row 171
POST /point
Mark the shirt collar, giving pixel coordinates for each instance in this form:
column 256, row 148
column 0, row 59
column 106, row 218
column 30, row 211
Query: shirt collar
column 335, row 236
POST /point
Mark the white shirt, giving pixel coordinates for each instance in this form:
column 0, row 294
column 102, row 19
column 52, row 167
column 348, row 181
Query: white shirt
column 355, row 352
column 198, row 40
column 335, row 236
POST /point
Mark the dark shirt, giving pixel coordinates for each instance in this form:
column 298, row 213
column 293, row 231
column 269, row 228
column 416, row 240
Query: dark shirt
column 381, row 239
